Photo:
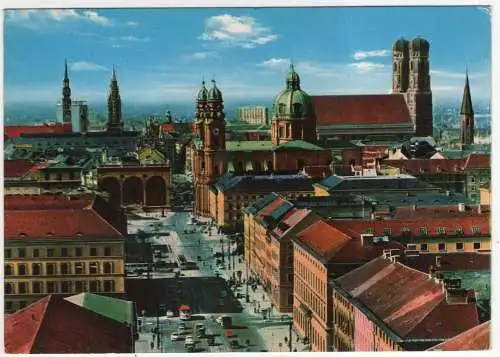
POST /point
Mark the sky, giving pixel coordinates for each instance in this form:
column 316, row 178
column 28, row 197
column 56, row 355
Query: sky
column 162, row 55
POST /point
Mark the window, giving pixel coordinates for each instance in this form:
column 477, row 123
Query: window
column 476, row 229
column 442, row 247
column 441, row 230
column 290, row 276
column 79, row 268
column 36, row 253
column 64, row 252
column 459, row 246
column 290, row 299
column 50, row 252
column 66, row 287
column 405, row 230
column 459, row 230
column 94, row 286
column 36, row 269
column 22, row 288
column 8, row 288
column 8, row 269
column 411, row 247
column 297, row 108
column 93, row 252
column 47, row 177
column 51, row 269
column 94, row 268
column 281, row 108
column 477, row 245
column 107, row 251
column 109, row 285
column 423, row 247
column 64, row 268
column 59, row 177
column 108, row 268
column 80, row 286
column 289, row 259
column 387, row 231
column 423, row 231
column 369, row 230
column 21, row 252
column 51, row 287
column 21, row 269
column 281, row 131
column 78, row 252
column 37, row 287
column 8, row 253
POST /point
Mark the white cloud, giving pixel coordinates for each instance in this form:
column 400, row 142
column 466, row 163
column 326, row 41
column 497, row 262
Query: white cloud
column 237, row 31
column 275, row 63
column 117, row 45
column 200, row 55
column 367, row 66
column 87, row 66
column 36, row 18
column 135, row 39
column 132, row 23
column 359, row 55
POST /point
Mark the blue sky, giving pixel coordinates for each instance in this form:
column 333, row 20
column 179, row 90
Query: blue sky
column 161, row 55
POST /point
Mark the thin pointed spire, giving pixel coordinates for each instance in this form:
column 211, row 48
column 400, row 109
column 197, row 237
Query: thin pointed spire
column 113, row 73
column 65, row 68
column 466, row 99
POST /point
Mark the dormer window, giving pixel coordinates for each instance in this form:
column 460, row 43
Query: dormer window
column 281, row 108
column 297, row 108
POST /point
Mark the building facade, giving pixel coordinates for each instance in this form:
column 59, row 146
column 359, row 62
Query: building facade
column 254, row 115
column 61, row 245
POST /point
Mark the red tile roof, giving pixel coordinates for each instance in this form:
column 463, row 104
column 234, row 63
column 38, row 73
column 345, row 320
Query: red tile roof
column 474, row 339
column 271, row 207
column 53, row 325
column 16, row 168
column 438, row 211
column 290, row 220
column 14, row 131
column 397, row 226
column 323, row 238
column 168, row 127
column 407, row 301
column 361, row 109
column 52, row 216
column 442, row 166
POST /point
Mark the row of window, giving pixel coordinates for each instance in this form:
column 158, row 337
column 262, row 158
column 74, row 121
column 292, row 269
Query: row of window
column 78, row 268
column 424, row 231
column 57, row 252
column 55, row 287
column 305, row 271
column 443, row 247
column 310, row 299
column 59, row 177
column 318, row 342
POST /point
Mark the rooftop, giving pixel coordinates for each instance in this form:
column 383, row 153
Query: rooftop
column 54, row 216
column 407, row 301
column 269, row 146
column 264, row 183
column 381, row 109
column 16, row 168
column 366, row 183
column 474, row 339
column 53, row 325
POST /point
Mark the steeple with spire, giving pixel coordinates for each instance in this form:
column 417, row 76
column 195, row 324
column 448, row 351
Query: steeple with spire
column 66, row 96
column 466, row 115
column 114, row 105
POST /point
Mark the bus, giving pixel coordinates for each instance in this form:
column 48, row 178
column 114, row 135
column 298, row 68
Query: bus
column 185, row 312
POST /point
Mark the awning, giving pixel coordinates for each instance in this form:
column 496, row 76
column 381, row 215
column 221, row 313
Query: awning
column 184, row 308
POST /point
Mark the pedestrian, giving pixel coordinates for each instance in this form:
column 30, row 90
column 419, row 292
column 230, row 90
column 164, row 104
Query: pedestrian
column 263, row 297
column 152, row 344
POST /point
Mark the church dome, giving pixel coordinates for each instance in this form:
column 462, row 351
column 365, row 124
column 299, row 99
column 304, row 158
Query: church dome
column 214, row 93
column 419, row 45
column 203, row 93
column 293, row 102
column 400, row 45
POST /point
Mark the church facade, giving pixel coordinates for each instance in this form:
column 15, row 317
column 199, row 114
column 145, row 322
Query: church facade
column 292, row 147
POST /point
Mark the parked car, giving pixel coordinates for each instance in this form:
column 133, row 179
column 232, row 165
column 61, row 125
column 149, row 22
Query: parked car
column 175, row 336
column 189, row 340
column 170, row 313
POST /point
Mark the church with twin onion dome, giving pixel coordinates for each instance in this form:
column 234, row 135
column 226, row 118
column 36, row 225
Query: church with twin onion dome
column 292, row 148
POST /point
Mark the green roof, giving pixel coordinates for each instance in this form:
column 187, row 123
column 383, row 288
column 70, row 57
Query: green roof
column 249, row 146
column 299, row 145
column 113, row 308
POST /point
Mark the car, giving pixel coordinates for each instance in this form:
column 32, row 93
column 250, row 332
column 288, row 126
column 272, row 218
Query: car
column 175, row 336
column 189, row 340
column 170, row 313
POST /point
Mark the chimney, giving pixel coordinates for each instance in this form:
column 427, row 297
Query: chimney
column 438, row 262
column 448, row 193
column 432, row 271
column 461, row 207
column 457, row 296
column 414, row 208
column 479, row 209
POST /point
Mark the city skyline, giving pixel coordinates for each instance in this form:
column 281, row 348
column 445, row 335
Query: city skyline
column 246, row 50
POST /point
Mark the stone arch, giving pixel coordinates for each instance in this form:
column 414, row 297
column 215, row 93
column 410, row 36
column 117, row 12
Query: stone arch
column 132, row 191
column 111, row 185
column 155, row 191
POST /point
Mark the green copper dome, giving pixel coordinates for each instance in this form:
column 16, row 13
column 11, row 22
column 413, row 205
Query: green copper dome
column 293, row 102
column 214, row 93
column 420, row 45
column 203, row 93
column 400, row 45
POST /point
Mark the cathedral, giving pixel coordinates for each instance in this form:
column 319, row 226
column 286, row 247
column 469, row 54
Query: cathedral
column 292, row 148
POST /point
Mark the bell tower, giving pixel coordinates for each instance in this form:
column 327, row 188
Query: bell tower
column 419, row 96
column 466, row 116
column 400, row 66
column 114, row 105
column 66, row 97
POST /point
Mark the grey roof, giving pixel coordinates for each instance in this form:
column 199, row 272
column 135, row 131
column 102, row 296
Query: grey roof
column 421, row 198
column 263, row 183
column 346, row 183
column 261, row 203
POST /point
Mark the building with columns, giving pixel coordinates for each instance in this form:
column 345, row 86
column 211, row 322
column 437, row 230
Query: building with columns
column 292, row 147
